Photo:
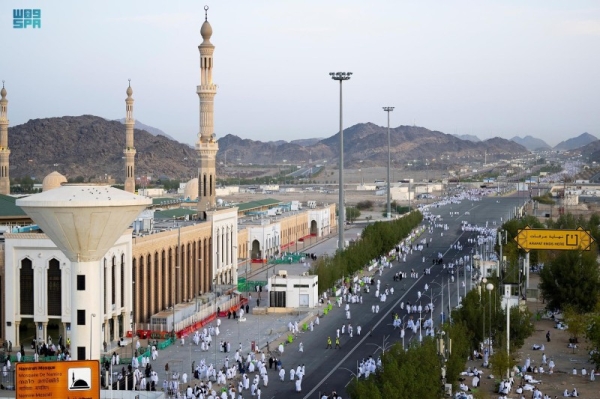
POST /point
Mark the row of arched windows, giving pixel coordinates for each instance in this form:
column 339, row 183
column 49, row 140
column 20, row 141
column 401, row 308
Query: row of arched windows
column 158, row 276
column 54, row 288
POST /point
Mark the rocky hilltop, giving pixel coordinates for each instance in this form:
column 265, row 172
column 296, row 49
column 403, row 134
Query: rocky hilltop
column 366, row 143
column 531, row 143
column 575, row 142
column 91, row 146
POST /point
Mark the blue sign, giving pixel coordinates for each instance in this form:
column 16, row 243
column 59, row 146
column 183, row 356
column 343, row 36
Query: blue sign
column 27, row 18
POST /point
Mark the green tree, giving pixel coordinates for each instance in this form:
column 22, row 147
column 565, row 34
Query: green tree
column 575, row 320
column 414, row 373
column 501, row 361
column 592, row 333
column 571, row 278
column 363, row 205
column 352, row 214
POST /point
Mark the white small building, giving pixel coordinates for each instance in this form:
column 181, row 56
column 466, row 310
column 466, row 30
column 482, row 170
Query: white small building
column 226, row 191
column 287, row 291
column 401, row 193
column 151, row 192
column 366, row 187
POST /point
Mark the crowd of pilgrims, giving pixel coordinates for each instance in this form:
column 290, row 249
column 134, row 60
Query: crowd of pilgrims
column 242, row 367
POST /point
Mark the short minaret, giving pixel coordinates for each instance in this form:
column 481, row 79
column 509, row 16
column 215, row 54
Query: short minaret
column 4, row 151
column 129, row 150
column 206, row 146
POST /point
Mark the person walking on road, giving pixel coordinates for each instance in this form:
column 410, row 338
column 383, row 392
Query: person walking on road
column 337, row 343
column 328, row 343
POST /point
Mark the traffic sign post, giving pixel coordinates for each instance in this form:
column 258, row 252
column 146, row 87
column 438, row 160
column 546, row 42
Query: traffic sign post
column 58, row 380
column 564, row 240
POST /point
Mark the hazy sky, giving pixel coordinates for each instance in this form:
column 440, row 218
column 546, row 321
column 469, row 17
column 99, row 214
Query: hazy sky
column 488, row 68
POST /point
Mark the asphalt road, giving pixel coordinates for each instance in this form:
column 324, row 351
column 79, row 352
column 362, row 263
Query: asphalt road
column 329, row 370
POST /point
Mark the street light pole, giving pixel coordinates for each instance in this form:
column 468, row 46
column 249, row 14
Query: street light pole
column 389, row 203
column 341, row 76
column 489, row 288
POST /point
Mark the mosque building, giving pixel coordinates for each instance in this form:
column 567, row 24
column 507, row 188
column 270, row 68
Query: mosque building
column 161, row 265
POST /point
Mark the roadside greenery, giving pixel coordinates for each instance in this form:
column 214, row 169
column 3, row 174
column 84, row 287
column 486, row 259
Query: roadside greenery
column 377, row 239
column 417, row 372
column 572, row 278
column 414, row 373
column 352, row 214
column 474, row 314
column 545, row 199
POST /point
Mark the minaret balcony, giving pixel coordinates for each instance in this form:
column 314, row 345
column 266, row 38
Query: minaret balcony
column 205, row 88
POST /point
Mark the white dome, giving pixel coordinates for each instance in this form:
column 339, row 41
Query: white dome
column 53, row 180
column 191, row 189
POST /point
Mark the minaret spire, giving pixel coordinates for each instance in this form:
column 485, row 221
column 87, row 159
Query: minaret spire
column 4, row 150
column 206, row 145
column 129, row 150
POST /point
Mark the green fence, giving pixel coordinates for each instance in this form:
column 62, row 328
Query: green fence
column 244, row 286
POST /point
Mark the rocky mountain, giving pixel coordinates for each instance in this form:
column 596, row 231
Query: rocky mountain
column 306, row 142
column 366, row 143
column 152, row 130
column 531, row 143
column 468, row 137
column 91, row 146
column 590, row 151
column 575, row 142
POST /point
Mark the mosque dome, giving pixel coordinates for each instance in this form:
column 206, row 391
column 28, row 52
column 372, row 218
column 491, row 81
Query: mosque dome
column 129, row 91
column 206, row 31
column 191, row 189
column 53, row 180
column 3, row 92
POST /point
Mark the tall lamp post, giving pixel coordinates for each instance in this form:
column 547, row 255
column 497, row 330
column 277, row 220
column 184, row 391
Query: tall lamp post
column 341, row 76
column 389, row 203
column 489, row 287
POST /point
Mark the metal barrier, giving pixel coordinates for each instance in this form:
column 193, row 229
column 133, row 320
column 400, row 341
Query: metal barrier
column 7, row 379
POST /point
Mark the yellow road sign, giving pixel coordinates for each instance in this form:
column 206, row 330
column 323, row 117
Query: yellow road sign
column 568, row 240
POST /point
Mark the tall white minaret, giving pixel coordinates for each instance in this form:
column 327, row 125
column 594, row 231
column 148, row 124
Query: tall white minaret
column 206, row 145
column 4, row 151
column 129, row 150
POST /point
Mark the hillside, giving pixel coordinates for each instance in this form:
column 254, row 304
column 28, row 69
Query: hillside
column 92, row 146
column 152, row 130
column 531, row 143
column 468, row 137
column 575, row 142
column 366, row 143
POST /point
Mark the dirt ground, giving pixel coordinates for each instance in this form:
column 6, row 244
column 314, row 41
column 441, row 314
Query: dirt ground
column 557, row 349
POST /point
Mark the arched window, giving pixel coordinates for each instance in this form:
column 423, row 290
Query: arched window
column 122, row 280
column 106, row 271
column 164, row 284
column 54, row 288
column 113, row 280
column 26, row 285
column 154, row 288
column 136, row 288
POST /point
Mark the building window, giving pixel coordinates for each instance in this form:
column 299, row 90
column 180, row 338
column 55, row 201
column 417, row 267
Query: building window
column 80, row 282
column 54, row 288
column 26, row 285
column 106, row 271
column 122, row 280
column 113, row 293
column 81, row 317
